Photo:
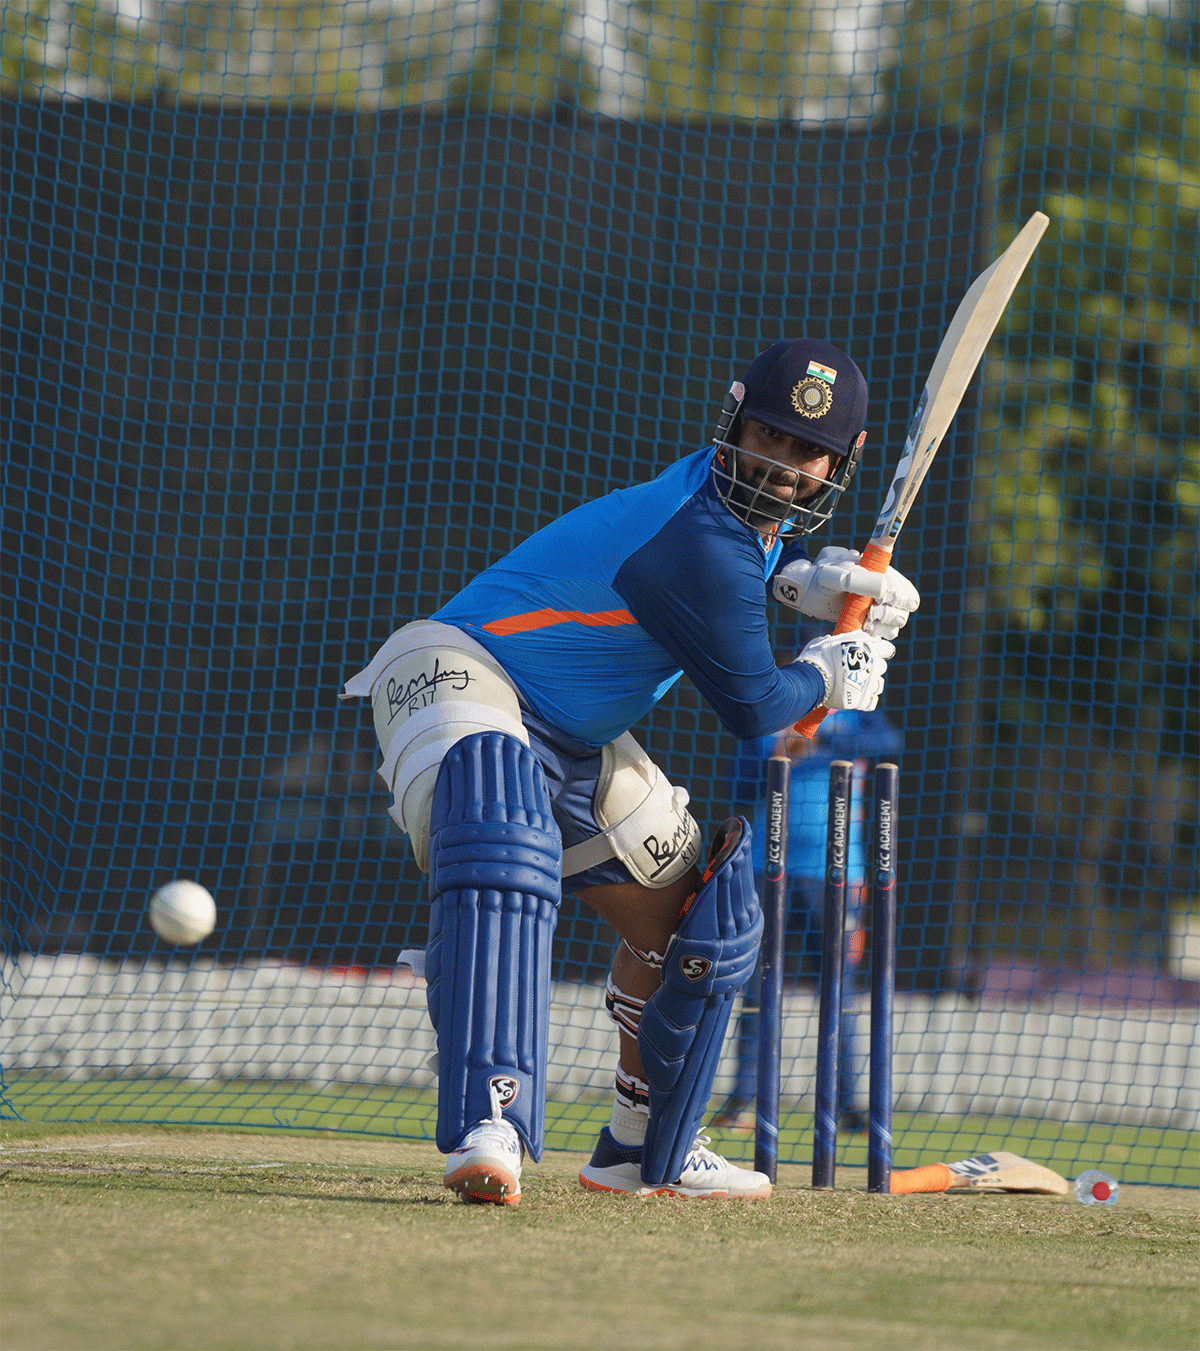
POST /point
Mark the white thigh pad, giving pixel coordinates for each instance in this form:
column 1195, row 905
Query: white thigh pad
column 430, row 685
column 644, row 820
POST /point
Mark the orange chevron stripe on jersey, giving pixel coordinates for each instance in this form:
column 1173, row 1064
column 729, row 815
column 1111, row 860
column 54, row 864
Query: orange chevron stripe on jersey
column 543, row 619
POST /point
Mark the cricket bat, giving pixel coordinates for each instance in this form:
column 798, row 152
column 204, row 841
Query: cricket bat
column 958, row 357
column 999, row 1172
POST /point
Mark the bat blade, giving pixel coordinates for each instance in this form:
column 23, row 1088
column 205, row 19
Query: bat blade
column 998, row 1172
column 957, row 359
column 1007, row 1172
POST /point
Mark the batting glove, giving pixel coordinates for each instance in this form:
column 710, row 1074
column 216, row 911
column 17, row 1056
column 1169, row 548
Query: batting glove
column 853, row 666
column 820, row 588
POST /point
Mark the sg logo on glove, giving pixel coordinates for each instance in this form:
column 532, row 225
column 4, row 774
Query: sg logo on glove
column 856, row 671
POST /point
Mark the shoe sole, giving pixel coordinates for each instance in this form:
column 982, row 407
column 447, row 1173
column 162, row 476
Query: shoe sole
column 593, row 1186
column 483, row 1183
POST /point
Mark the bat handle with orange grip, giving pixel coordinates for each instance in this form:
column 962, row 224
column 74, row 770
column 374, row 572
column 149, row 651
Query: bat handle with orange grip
column 933, row 1177
column 854, row 611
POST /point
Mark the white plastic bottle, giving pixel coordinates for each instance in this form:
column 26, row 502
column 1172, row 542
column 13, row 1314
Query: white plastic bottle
column 1095, row 1188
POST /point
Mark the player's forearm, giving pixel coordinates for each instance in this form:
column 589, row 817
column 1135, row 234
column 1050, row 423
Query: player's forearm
column 763, row 709
column 731, row 663
column 697, row 589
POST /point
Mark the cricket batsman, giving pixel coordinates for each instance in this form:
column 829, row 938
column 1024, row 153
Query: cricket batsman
column 504, row 718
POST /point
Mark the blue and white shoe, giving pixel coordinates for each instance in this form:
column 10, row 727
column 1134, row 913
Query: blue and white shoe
column 486, row 1166
column 618, row 1168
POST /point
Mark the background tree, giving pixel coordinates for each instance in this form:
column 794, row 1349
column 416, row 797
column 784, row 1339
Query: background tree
column 1088, row 471
column 770, row 59
column 79, row 49
column 324, row 53
column 533, row 61
column 675, row 59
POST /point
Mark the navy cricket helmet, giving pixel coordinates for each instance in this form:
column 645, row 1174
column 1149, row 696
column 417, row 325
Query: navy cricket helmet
column 806, row 388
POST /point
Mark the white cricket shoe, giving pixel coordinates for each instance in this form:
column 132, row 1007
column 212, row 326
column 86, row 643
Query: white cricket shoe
column 618, row 1168
column 486, row 1166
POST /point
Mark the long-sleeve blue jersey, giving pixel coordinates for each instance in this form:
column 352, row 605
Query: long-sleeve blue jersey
column 596, row 616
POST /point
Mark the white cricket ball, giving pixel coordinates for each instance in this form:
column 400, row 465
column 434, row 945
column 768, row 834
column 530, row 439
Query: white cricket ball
column 182, row 912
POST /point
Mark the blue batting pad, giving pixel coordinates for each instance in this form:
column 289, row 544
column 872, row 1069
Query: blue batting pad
column 710, row 958
column 495, row 877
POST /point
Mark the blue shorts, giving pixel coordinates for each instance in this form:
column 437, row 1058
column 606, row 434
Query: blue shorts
column 572, row 772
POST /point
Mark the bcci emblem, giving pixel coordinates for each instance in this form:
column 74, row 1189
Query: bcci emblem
column 812, row 397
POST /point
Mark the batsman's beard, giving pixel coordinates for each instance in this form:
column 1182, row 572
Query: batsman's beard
column 770, row 496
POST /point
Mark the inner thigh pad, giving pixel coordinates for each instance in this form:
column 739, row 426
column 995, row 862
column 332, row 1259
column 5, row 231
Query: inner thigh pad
column 643, row 820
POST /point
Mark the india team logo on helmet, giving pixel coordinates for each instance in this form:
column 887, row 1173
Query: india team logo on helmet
column 812, row 398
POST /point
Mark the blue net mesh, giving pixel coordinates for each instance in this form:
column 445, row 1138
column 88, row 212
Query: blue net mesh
column 313, row 311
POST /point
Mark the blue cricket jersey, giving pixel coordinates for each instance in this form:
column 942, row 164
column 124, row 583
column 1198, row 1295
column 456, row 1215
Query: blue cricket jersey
column 597, row 615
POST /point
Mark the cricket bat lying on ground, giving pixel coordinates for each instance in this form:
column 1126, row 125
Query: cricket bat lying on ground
column 999, row 1172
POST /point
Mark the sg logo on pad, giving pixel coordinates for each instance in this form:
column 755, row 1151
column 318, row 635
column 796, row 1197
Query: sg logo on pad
column 695, row 968
column 506, row 1088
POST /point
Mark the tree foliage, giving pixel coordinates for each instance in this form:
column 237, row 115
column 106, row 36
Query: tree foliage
column 535, row 60
column 52, row 48
column 657, row 59
column 744, row 59
column 1088, row 472
column 325, row 53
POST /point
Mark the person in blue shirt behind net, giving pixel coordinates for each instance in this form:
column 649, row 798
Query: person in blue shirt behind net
column 861, row 737
column 504, row 720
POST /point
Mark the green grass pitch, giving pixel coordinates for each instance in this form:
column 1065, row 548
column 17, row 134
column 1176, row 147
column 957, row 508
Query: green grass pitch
column 130, row 1237
column 1134, row 1154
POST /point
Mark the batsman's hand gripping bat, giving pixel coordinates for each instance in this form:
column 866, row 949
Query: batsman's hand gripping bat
column 999, row 1172
column 962, row 348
